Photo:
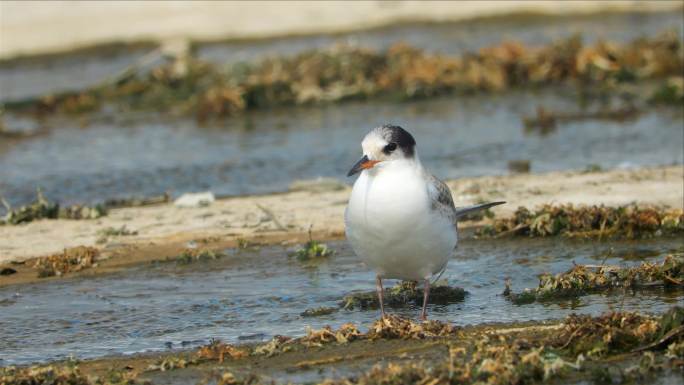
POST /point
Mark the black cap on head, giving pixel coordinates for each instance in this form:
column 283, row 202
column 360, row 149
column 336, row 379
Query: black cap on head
column 396, row 134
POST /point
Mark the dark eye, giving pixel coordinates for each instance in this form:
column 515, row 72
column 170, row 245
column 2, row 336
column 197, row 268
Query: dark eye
column 389, row 148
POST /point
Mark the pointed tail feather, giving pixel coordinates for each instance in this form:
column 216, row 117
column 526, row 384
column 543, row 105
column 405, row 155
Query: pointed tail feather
column 461, row 211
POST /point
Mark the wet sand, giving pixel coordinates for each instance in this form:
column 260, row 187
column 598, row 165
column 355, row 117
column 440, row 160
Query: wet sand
column 166, row 230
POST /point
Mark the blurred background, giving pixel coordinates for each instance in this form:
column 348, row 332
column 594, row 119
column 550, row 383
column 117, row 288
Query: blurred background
column 105, row 100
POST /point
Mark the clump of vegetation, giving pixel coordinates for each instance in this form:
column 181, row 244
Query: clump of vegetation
column 583, row 280
column 41, row 208
column 197, row 254
column 403, row 294
column 620, row 332
column 313, row 250
column 672, row 92
column 106, row 233
column 70, row 260
column 341, row 73
column 631, row 222
column 319, row 311
column 218, row 351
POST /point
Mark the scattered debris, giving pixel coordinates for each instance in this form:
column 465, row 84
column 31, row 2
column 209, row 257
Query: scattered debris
column 41, row 208
column 70, row 260
column 629, row 222
column 106, row 233
column 201, row 199
column 319, row 311
column 403, row 294
column 583, row 280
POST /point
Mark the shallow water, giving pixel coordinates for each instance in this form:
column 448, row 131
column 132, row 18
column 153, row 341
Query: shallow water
column 251, row 295
column 265, row 151
column 119, row 155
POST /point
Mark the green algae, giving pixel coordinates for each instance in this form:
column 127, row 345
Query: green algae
column 312, row 250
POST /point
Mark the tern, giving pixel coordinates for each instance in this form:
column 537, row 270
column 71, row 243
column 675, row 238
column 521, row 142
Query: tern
column 401, row 220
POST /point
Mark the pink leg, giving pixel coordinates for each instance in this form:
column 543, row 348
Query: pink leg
column 381, row 294
column 426, row 294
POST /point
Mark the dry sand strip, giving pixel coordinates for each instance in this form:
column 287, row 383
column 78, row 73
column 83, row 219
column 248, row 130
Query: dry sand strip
column 164, row 230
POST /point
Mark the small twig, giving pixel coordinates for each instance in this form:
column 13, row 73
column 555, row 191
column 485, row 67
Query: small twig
column 5, row 203
column 665, row 338
column 513, row 230
column 673, row 280
column 272, row 217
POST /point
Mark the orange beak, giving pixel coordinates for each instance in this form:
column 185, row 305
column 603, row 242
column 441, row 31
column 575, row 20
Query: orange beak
column 363, row 164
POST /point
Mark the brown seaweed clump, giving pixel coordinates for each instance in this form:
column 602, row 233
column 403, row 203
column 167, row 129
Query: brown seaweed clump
column 69, row 374
column 497, row 360
column 70, row 260
column 41, row 208
column 583, row 280
column 392, row 326
column 403, row 294
column 620, row 332
column 342, row 73
column 631, row 222
column 217, row 350
column 346, row 333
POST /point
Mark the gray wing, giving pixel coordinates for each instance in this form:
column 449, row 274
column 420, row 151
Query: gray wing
column 441, row 199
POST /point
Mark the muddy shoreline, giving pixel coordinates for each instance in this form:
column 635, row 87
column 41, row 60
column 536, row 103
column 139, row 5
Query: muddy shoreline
column 165, row 231
column 553, row 350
